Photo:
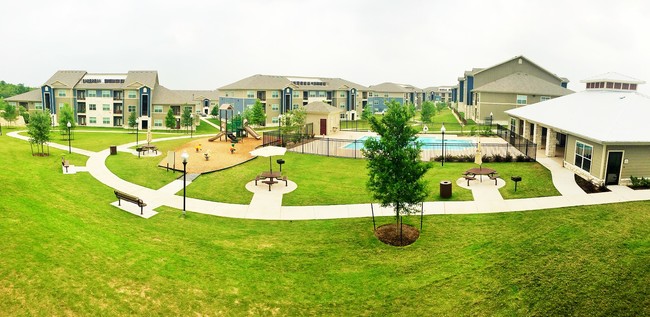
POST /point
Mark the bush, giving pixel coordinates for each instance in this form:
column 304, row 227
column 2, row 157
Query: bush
column 640, row 182
column 508, row 157
column 497, row 158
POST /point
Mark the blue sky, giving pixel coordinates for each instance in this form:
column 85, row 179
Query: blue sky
column 208, row 44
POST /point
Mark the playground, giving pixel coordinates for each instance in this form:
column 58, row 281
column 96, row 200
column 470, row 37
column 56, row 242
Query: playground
column 219, row 154
column 230, row 147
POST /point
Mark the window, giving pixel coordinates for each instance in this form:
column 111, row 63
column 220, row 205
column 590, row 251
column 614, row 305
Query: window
column 106, row 120
column 92, row 107
column 376, row 102
column 626, row 86
column 342, row 105
column 274, row 119
column 275, row 94
column 544, row 98
column 60, row 92
column 342, row 94
column 157, row 123
column 106, row 107
column 632, row 86
column 312, row 94
column 522, row 99
column 296, row 94
column 610, row 85
column 583, row 155
column 294, row 107
column 187, row 108
column 250, row 94
column 92, row 93
column 92, row 120
column 132, row 94
column 321, row 94
column 157, row 109
column 385, row 95
column 342, row 116
column 617, row 86
column 38, row 106
column 106, row 93
column 275, row 107
column 131, row 108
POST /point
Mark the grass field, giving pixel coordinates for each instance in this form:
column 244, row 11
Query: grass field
column 66, row 251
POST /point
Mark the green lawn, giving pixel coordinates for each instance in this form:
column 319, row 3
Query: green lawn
column 144, row 170
column 66, row 251
column 333, row 181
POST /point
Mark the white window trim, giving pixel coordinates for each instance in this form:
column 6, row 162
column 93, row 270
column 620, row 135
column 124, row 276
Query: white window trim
column 591, row 159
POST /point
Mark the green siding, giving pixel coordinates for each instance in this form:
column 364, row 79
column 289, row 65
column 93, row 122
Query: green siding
column 638, row 157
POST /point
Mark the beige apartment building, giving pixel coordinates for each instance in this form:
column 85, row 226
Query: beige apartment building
column 382, row 93
column 108, row 99
column 486, row 93
column 281, row 94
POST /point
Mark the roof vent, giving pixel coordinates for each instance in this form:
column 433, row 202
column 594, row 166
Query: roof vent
column 520, row 61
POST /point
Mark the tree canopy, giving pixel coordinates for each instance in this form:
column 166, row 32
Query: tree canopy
column 394, row 166
column 10, row 114
column 257, row 116
column 186, row 117
column 170, row 120
column 132, row 120
column 39, row 128
column 428, row 111
column 8, row 90
column 66, row 115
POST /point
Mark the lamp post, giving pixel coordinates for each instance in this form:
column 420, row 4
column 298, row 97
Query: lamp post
column 491, row 121
column 69, row 125
column 137, row 127
column 442, row 129
column 279, row 130
column 184, row 156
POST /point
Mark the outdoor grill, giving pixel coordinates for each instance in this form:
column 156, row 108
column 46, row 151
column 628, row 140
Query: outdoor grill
column 516, row 179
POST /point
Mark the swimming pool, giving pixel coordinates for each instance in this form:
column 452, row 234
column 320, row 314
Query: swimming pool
column 428, row 143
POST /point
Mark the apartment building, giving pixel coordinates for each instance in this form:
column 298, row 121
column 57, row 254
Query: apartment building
column 108, row 99
column 402, row 93
column 486, row 93
column 439, row 94
column 281, row 94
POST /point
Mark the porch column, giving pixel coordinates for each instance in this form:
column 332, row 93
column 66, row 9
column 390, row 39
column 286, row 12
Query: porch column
column 526, row 130
column 537, row 135
column 551, row 140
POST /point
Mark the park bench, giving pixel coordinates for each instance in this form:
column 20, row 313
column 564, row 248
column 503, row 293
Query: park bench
column 65, row 163
column 269, row 182
column 130, row 198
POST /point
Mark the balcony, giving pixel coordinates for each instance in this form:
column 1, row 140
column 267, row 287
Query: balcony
column 81, row 96
column 261, row 95
column 118, row 112
column 81, row 109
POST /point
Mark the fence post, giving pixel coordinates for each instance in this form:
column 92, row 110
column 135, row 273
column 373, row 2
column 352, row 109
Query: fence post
column 328, row 146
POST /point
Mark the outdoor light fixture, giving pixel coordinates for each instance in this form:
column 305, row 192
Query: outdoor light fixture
column 69, row 144
column 184, row 156
column 442, row 129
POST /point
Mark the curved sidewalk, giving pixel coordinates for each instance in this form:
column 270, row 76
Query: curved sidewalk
column 273, row 210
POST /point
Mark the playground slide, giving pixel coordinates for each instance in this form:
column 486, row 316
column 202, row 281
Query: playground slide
column 252, row 132
column 232, row 137
column 217, row 136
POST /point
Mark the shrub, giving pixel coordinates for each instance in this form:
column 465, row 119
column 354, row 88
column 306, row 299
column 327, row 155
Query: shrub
column 472, row 131
column 497, row 158
column 508, row 157
column 640, row 182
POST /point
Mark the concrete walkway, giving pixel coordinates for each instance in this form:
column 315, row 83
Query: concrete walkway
column 268, row 205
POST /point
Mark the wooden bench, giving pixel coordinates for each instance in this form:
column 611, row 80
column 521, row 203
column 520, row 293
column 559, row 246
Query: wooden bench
column 269, row 182
column 284, row 179
column 469, row 177
column 130, row 198
column 257, row 178
column 65, row 163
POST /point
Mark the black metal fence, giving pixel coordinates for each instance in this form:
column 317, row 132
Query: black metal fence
column 454, row 149
column 523, row 145
column 354, row 125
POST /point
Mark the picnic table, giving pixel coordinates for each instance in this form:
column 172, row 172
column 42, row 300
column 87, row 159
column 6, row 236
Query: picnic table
column 271, row 178
column 472, row 172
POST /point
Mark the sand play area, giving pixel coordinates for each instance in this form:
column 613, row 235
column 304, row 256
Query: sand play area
column 219, row 152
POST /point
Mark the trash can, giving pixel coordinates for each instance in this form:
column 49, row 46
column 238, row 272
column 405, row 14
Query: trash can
column 445, row 189
column 113, row 150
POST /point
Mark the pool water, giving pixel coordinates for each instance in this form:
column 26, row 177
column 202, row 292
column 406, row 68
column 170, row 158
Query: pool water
column 428, row 143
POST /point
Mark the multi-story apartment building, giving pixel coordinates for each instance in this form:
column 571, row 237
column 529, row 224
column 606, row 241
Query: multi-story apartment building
column 514, row 83
column 280, row 94
column 107, row 100
column 439, row 94
column 402, row 93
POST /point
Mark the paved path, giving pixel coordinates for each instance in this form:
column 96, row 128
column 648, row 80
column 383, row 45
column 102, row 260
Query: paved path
column 269, row 205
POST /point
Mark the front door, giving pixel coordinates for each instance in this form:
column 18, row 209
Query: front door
column 323, row 126
column 614, row 161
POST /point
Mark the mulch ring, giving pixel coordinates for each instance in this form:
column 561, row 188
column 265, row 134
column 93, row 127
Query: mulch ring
column 588, row 186
column 389, row 234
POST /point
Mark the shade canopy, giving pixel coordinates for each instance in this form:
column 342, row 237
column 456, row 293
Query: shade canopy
column 269, row 151
column 149, row 136
column 478, row 159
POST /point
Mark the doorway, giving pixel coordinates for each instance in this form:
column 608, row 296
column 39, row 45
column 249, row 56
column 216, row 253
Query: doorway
column 614, row 163
column 323, row 126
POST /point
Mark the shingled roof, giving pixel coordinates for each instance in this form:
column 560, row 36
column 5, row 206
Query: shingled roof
column 523, row 83
column 66, row 78
column 32, row 95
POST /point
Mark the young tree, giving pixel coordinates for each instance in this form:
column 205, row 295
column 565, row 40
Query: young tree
column 186, row 118
column 394, row 166
column 170, row 120
column 66, row 115
column 10, row 113
column 214, row 112
column 132, row 119
column 367, row 113
column 428, row 111
column 24, row 113
column 258, row 117
column 39, row 129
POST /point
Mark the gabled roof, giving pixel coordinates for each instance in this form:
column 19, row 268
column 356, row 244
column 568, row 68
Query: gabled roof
column 164, row 96
column 32, row 95
column 147, row 78
column 68, row 78
column 523, row 83
column 598, row 115
column 276, row 82
column 320, row 107
column 613, row 77
column 198, row 95
column 389, row 87
column 522, row 57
